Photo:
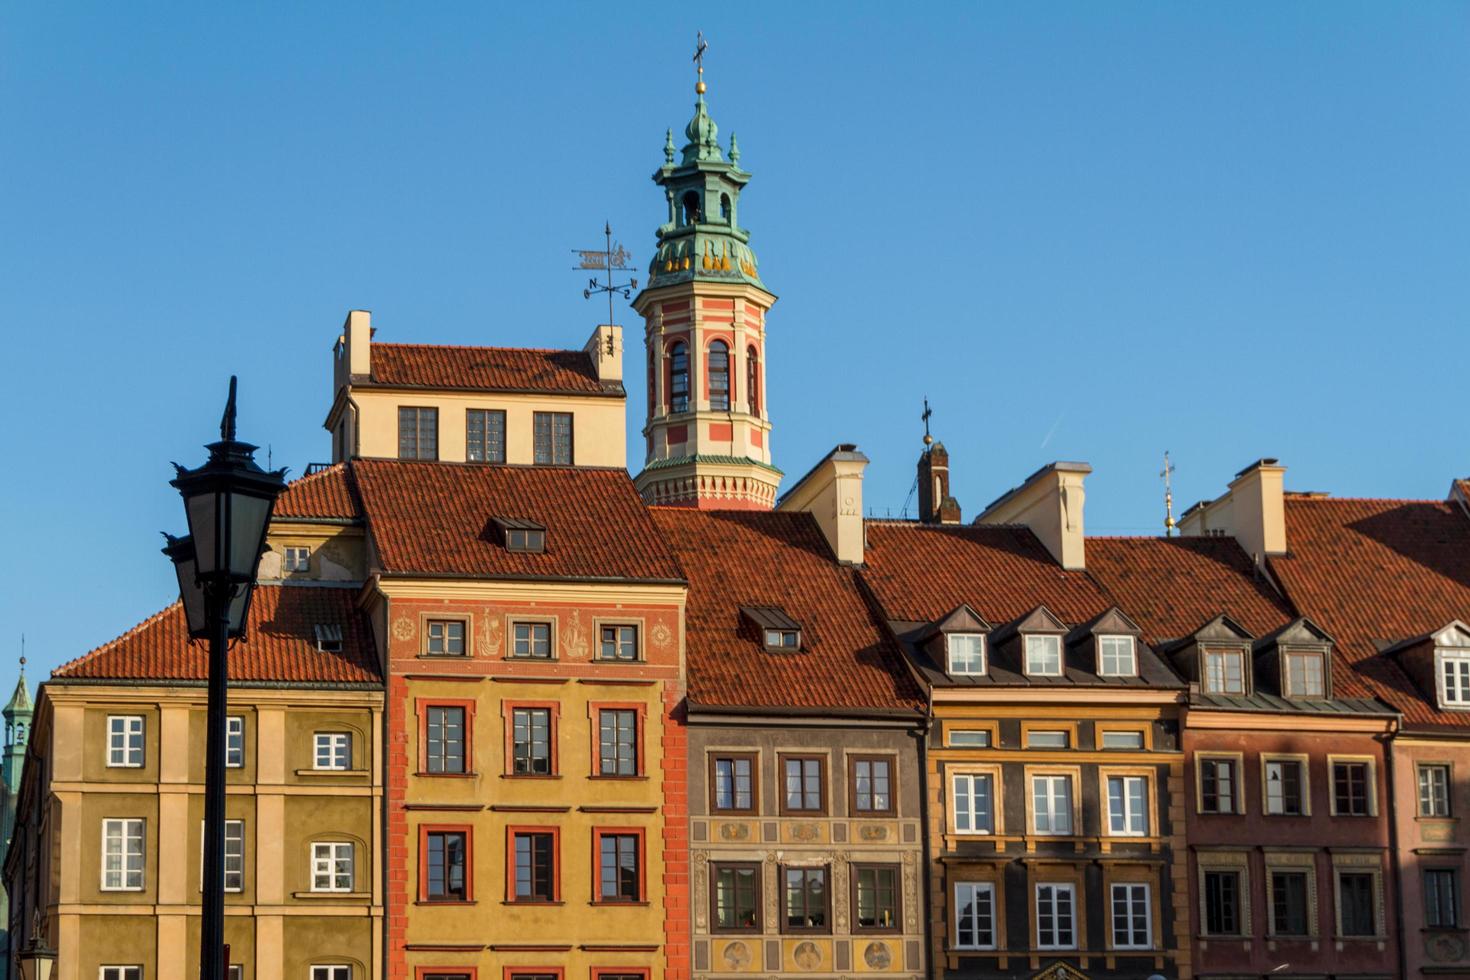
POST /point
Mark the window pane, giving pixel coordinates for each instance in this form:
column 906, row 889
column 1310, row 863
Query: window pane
column 1222, row 903
column 552, row 433
column 1289, row 902
column 618, row 742
column 736, row 897
column 1044, row 655
column 1117, row 656
column 719, row 377
column 679, row 378
column 876, row 897
column 974, row 916
column 531, row 741
column 1355, row 892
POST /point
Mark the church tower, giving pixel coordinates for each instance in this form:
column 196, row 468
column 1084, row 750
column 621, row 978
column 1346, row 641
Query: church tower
column 704, row 313
column 17, row 732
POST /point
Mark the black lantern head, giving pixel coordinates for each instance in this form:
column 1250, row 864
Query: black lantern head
column 180, row 551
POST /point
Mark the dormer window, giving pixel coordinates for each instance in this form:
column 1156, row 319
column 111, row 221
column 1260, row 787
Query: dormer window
column 1117, row 656
column 1223, row 672
column 1305, row 677
column 783, row 639
column 329, row 637
column 965, row 653
column 522, row 535
column 779, row 632
column 1044, row 655
column 1455, row 676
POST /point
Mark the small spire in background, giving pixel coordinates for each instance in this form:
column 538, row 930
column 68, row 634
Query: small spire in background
column 928, row 413
column 669, row 148
column 734, row 149
column 1167, row 473
column 22, row 653
column 700, row 48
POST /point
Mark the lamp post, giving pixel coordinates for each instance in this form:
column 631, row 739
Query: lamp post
column 37, row 960
column 228, row 503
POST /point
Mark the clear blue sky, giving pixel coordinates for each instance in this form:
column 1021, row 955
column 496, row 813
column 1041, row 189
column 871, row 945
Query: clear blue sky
column 1084, row 231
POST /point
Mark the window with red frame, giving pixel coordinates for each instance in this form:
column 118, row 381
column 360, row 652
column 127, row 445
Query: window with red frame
column 534, row 853
column 620, row 871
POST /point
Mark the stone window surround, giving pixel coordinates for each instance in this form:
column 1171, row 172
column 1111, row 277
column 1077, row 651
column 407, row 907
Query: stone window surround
column 1151, row 799
column 464, row 616
column 1306, row 768
column 997, row 797
column 1359, row 862
column 1237, row 861
column 1280, row 860
column 1074, row 775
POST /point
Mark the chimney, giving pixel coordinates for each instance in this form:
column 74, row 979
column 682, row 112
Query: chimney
column 605, row 347
column 936, row 506
column 1253, row 511
column 1050, row 504
column 357, row 343
column 832, row 492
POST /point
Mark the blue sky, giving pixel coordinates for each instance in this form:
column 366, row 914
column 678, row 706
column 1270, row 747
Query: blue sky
column 1084, row 231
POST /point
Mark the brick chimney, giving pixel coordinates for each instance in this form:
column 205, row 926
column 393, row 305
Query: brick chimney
column 936, row 506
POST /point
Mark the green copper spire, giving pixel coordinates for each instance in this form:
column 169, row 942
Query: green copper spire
column 20, row 700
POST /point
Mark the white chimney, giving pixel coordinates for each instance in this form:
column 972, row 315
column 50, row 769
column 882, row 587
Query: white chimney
column 1050, row 504
column 833, row 493
column 1253, row 511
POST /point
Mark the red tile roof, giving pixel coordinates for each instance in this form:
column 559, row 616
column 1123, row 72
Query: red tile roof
column 280, row 645
column 567, row 372
column 435, row 519
column 326, row 493
column 754, row 558
column 1379, row 570
column 920, row 572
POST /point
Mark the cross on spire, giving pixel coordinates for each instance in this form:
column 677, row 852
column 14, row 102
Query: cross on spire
column 1167, row 473
column 928, row 413
column 700, row 47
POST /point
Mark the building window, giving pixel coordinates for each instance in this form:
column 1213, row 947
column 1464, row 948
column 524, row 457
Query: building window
column 552, row 433
column 444, row 638
column 531, row 741
column 122, row 855
column 1351, row 789
column 1118, row 656
column 620, row 871
column 974, row 803
column 333, row 750
column 966, row 653
column 974, row 915
column 1455, row 672
column 235, row 742
column 1285, row 790
column 732, row 784
column 535, row 866
column 125, row 741
column 445, row 860
column 1132, row 921
column 1051, row 798
column 752, row 381
column 444, row 739
column 1441, row 898
column 1304, row 675
column 1048, row 739
column 1130, row 740
column 1357, row 904
column 875, row 897
column 736, row 897
column 617, row 742
column 1216, row 785
column 871, row 781
column 1289, row 909
column 122, row 973
column 1222, row 903
column 1224, row 672
column 969, row 739
column 297, row 559
column 331, row 866
column 532, row 640
column 524, row 536
column 331, row 971
column 805, row 900
column 803, row 784
column 679, row 378
column 484, row 431
column 1044, row 655
column 234, row 871
column 1054, row 910
column 782, row 639
column 719, row 377
column 418, row 433
column 618, row 643
column 1128, row 806
column 1434, row 790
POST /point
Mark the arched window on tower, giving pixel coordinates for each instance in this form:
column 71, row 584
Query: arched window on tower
column 725, row 208
column 719, row 376
column 678, row 378
column 752, row 381
column 691, row 207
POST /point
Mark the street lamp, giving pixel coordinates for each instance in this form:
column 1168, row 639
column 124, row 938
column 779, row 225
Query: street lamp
column 37, row 960
column 228, row 503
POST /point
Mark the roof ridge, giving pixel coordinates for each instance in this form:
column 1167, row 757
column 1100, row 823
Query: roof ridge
column 104, row 647
column 1300, row 496
column 492, row 467
column 488, row 347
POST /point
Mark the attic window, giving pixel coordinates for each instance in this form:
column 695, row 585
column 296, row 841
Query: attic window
column 1304, row 675
column 779, row 632
column 1044, row 655
column 1116, row 656
column 1224, row 672
column 329, row 637
column 965, row 652
column 522, row 535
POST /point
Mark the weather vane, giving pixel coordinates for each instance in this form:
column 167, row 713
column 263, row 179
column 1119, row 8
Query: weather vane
column 610, row 259
column 928, row 412
column 1166, row 473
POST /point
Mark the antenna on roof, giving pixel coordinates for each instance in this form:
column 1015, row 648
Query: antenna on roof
column 1167, row 473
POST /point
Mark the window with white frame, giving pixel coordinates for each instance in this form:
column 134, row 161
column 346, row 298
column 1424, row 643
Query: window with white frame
column 974, row 915
column 974, row 803
column 234, row 855
column 966, row 652
column 120, row 973
column 297, row 559
column 122, row 854
column 1051, row 804
column 125, row 741
column 331, row 866
column 1305, row 674
column 1132, row 923
column 1434, row 790
column 331, row 971
column 1044, row 655
column 1117, row 656
column 1055, row 908
column 333, row 750
column 1128, row 806
column 1454, row 667
column 235, row 742
column 1224, row 672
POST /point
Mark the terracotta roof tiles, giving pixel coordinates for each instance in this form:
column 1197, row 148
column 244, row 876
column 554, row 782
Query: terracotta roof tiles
column 567, row 372
column 327, row 493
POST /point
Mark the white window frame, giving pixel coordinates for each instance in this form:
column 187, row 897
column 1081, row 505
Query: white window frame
column 975, row 889
column 1131, row 647
column 324, row 857
column 965, row 822
column 128, row 728
column 234, row 834
column 296, row 558
column 1226, row 656
column 1053, row 810
column 130, row 972
column 1130, row 814
column 1056, row 888
column 331, row 971
column 336, row 744
column 1443, row 769
column 1148, row 918
column 235, row 742
column 1042, row 640
column 124, row 825
column 1454, row 665
column 971, row 663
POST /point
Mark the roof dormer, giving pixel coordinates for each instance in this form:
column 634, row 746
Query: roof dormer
column 1109, row 644
column 520, row 534
column 1298, row 658
column 778, row 632
column 1216, row 657
column 958, row 642
column 1439, row 663
column 1041, row 639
